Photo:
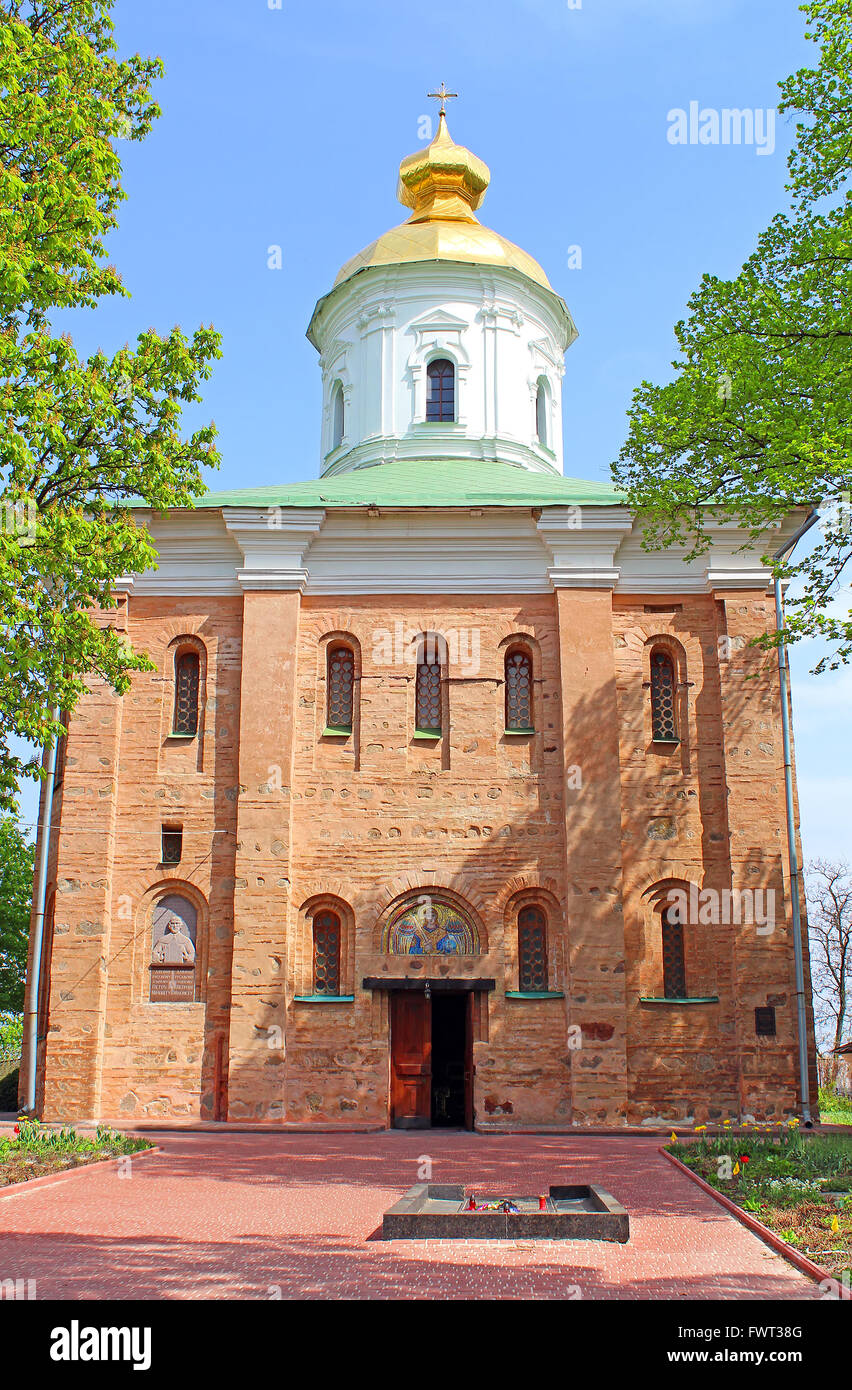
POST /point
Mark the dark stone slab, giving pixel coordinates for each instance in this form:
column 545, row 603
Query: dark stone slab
column 437, row 1211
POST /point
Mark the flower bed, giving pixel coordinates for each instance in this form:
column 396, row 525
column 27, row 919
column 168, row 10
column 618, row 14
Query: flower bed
column 798, row 1185
column 35, row 1152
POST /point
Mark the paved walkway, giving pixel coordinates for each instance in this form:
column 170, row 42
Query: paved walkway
column 296, row 1216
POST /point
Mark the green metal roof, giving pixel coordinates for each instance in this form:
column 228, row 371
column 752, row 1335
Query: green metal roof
column 430, row 483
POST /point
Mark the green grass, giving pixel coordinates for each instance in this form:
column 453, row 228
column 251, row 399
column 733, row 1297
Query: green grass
column 799, row 1157
column 834, row 1109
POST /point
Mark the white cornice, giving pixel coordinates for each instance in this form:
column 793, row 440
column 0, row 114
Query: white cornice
column 408, row 280
column 274, row 541
column 582, row 542
column 757, row 577
column 427, row 550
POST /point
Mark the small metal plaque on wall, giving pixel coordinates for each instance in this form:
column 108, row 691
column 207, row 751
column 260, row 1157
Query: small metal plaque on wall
column 172, row 984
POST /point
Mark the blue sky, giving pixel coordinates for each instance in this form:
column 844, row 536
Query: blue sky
column 285, row 126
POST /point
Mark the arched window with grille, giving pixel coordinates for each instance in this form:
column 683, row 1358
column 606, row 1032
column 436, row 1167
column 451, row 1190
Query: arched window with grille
column 340, row 689
column 663, row 713
column 519, row 690
column 440, row 390
column 427, row 693
column 674, row 969
column 541, row 414
column 187, row 682
column 532, row 951
column 338, row 416
column 327, row 938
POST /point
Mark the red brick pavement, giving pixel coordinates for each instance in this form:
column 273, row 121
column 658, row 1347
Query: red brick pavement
column 296, row 1216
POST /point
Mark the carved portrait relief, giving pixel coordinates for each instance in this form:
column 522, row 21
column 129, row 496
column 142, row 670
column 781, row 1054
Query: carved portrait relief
column 173, row 951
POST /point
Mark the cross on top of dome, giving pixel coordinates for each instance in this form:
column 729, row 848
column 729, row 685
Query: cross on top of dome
column 443, row 96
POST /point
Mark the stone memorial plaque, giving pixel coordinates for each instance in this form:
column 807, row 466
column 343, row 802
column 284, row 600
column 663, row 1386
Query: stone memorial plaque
column 172, row 984
column 173, row 954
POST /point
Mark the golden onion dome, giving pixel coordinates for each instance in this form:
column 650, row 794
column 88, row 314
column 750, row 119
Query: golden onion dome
column 443, row 184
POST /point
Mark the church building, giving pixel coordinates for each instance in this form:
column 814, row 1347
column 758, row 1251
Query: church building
column 446, row 802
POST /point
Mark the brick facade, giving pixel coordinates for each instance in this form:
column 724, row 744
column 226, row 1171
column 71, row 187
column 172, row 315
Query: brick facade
column 587, row 818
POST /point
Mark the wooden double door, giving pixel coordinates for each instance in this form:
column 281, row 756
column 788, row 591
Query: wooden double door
column 431, row 1059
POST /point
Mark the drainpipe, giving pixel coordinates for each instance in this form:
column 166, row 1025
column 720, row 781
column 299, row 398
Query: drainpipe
column 792, row 850
column 31, row 1010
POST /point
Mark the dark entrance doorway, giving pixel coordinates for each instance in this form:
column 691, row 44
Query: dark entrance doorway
column 449, row 1035
column 432, row 1058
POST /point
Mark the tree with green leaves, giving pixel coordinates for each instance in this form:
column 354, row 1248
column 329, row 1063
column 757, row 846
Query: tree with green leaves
column 17, row 862
column 79, row 436
column 758, row 417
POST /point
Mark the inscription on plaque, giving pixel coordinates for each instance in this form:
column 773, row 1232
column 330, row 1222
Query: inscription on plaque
column 172, row 984
column 173, row 954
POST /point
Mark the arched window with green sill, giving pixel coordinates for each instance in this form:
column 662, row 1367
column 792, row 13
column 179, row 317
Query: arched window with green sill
column 518, row 677
column 663, row 688
column 340, row 688
column 187, row 685
column 532, row 950
column 428, row 687
column 327, row 934
column 674, row 961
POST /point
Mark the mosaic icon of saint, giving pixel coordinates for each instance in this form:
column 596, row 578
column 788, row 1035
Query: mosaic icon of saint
column 425, row 935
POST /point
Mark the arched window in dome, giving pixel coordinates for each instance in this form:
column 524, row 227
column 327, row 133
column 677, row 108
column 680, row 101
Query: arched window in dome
column 440, row 390
column 541, row 404
column 337, row 416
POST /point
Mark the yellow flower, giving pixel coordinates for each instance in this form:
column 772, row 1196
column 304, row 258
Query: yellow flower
column 736, row 1168
column 699, row 1129
column 835, row 1226
column 674, row 1137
